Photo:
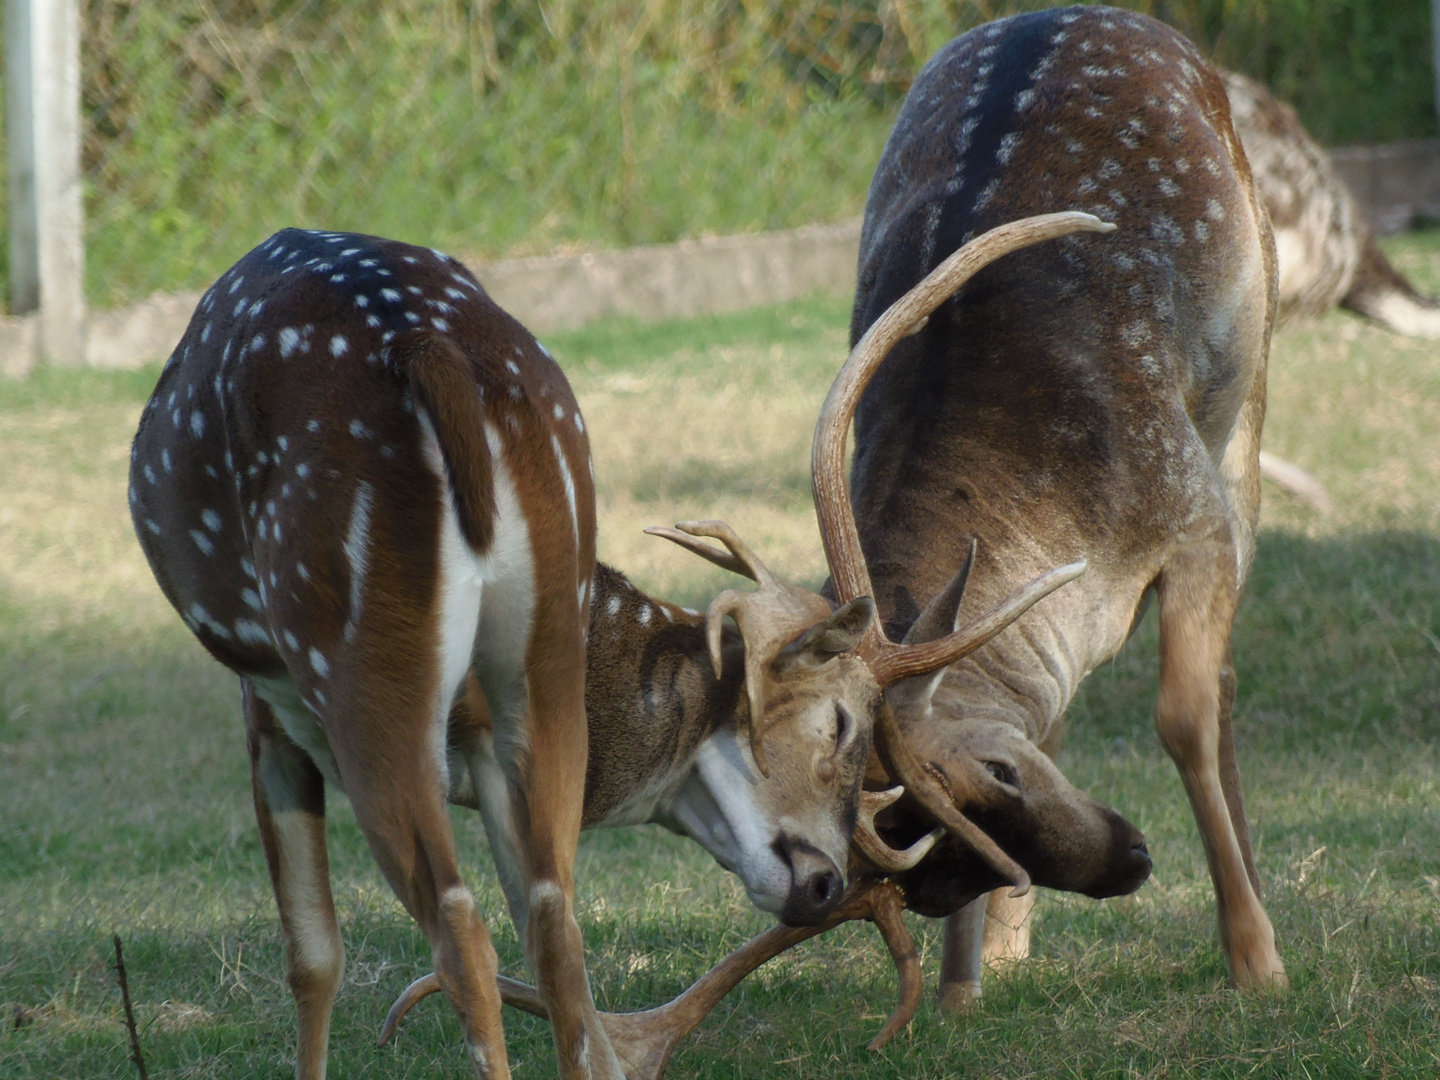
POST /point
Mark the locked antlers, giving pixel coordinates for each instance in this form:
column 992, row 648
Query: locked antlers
column 887, row 660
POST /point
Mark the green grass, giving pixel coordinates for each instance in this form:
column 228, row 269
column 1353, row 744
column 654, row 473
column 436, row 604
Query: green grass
column 124, row 799
column 510, row 128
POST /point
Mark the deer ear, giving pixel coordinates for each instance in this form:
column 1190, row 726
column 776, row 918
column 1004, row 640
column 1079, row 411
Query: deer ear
column 827, row 639
column 942, row 614
column 940, row 617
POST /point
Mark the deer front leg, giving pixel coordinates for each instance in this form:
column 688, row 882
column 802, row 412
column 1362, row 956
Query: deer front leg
column 960, row 960
column 1007, row 929
column 1197, row 595
column 290, row 809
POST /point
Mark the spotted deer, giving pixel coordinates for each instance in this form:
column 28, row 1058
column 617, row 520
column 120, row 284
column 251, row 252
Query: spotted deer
column 365, row 487
column 1097, row 398
column 1325, row 249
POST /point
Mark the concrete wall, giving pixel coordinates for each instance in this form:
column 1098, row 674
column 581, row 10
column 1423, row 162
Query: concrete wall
column 1394, row 183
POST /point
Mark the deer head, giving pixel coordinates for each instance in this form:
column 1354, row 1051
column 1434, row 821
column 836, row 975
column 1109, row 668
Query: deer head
column 983, row 806
column 773, row 796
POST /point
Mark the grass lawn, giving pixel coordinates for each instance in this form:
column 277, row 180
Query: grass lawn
column 125, row 802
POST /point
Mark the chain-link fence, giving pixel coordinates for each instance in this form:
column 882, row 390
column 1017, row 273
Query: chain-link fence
column 497, row 127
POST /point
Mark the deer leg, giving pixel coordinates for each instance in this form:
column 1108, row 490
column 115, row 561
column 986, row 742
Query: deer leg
column 1197, row 596
column 1007, row 928
column 960, row 960
column 397, row 784
column 1230, row 769
column 290, row 809
column 549, row 827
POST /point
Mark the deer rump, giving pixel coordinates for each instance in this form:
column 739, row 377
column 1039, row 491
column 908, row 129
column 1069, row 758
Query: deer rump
column 1096, row 397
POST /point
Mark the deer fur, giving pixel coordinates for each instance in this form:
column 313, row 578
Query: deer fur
column 1098, row 397
column 1326, row 251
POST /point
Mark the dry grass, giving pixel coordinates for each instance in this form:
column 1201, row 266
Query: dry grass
column 124, row 796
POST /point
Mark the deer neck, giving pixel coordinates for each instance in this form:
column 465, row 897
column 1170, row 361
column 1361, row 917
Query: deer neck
column 1027, row 675
column 656, row 711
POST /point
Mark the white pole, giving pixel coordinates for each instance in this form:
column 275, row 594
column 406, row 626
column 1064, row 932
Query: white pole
column 47, row 252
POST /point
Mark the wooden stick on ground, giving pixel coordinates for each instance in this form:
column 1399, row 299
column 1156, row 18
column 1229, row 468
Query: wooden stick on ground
column 135, row 1054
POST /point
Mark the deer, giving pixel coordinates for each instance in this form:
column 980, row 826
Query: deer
column 1078, row 843
column 1326, row 251
column 1084, row 400
column 367, row 490
column 1096, row 398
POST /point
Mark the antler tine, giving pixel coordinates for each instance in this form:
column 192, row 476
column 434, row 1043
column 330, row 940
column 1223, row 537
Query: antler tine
column 832, row 497
column 875, row 850
column 895, row 662
column 741, row 560
column 722, row 559
column 886, row 906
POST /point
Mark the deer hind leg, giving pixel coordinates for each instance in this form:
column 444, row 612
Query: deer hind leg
column 549, row 825
column 397, row 784
column 1197, row 594
column 290, row 809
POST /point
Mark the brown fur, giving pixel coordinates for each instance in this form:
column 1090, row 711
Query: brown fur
column 1097, row 397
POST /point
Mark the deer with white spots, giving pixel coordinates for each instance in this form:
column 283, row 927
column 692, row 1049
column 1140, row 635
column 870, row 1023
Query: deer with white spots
column 1099, row 398
column 365, row 488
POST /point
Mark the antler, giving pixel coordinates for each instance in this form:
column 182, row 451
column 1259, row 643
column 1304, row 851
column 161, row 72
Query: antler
column 885, row 857
column 768, row 618
column 888, row 661
column 644, row 1040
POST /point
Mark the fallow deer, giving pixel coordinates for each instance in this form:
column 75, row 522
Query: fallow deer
column 1089, row 399
column 359, row 480
column 1076, row 843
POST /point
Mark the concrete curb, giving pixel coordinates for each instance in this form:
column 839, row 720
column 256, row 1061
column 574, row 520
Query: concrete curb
column 1394, row 182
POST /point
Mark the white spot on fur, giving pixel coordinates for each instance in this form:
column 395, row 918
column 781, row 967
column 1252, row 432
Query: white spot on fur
column 251, row 633
column 357, row 551
column 569, row 482
column 319, row 664
column 289, row 340
column 338, row 345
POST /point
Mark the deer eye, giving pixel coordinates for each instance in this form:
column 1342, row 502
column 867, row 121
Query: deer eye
column 842, row 726
column 1001, row 772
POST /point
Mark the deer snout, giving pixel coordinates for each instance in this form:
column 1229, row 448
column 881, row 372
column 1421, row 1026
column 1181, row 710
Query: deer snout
column 815, row 883
column 1129, row 863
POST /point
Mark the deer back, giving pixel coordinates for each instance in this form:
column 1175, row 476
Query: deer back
column 290, row 475
column 1075, row 398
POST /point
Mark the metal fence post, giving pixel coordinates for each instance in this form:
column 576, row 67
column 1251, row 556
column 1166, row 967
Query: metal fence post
column 47, row 254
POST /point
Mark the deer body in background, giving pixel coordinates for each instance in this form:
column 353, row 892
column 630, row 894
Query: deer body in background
column 1096, row 398
column 1324, row 248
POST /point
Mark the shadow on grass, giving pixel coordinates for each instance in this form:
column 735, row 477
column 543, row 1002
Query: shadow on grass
column 1337, row 647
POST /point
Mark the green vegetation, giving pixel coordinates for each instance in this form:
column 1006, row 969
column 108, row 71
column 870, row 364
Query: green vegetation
column 509, row 128
column 124, row 799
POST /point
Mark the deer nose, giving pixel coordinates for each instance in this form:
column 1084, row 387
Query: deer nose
column 815, row 883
